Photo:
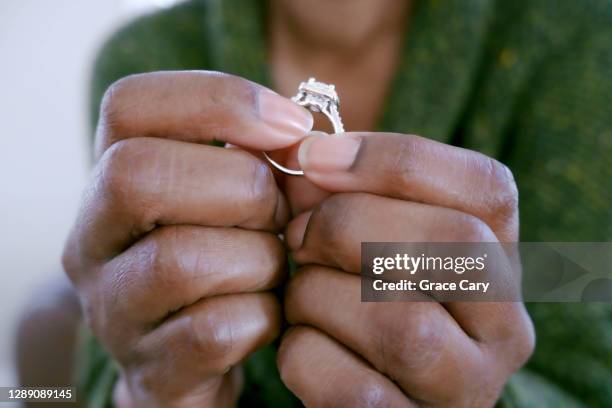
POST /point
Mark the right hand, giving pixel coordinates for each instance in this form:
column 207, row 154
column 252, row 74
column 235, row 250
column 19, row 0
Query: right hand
column 175, row 246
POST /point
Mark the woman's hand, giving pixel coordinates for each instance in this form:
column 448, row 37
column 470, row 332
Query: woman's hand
column 389, row 187
column 175, row 246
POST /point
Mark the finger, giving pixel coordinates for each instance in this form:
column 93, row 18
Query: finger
column 202, row 342
column 177, row 265
column 315, row 367
column 223, row 391
column 199, row 106
column 417, row 169
column 301, row 193
column 332, row 234
column 146, row 182
column 416, row 344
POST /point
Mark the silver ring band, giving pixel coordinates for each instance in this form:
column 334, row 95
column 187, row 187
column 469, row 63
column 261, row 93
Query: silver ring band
column 318, row 97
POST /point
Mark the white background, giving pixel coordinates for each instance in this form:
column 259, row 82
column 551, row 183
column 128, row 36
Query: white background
column 46, row 50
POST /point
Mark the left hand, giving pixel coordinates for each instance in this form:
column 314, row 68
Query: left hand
column 390, row 187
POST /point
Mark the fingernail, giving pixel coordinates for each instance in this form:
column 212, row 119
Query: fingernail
column 283, row 115
column 328, row 153
column 296, row 230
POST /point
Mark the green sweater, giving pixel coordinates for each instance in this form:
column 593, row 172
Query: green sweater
column 526, row 81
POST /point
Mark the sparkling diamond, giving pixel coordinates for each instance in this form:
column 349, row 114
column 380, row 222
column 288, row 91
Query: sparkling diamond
column 319, row 89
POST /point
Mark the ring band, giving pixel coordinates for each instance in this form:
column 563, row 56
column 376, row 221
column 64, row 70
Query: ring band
column 318, row 97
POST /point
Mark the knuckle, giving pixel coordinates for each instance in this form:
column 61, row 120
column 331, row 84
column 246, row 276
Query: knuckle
column 260, row 192
column 121, row 180
column 211, row 338
column 367, row 393
column 115, row 166
column 523, row 345
column 153, row 270
column 515, row 339
column 101, row 314
column 471, row 229
column 363, row 392
column 159, row 256
column 95, row 316
column 332, row 221
column 70, row 260
column 505, row 199
column 413, row 342
column 114, row 116
column 259, row 184
column 144, row 379
column 107, row 323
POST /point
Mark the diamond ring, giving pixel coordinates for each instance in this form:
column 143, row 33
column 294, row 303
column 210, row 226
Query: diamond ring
column 318, row 97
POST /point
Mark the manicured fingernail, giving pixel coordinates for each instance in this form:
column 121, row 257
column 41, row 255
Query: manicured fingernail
column 284, row 116
column 328, row 153
column 296, row 230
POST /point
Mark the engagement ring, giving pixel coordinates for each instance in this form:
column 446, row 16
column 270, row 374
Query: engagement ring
column 318, row 97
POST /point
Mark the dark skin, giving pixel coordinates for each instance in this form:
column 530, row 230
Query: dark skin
column 305, row 44
column 175, row 249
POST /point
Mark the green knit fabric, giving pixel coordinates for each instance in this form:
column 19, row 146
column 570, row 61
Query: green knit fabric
column 526, row 81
